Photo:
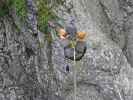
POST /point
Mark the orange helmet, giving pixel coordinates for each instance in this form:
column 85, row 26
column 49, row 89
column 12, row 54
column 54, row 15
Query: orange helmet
column 81, row 35
column 62, row 33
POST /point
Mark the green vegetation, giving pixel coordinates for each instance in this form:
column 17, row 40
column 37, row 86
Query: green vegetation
column 45, row 12
column 3, row 11
column 20, row 6
column 4, row 7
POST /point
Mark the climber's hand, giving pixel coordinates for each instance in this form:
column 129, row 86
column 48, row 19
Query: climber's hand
column 51, row 24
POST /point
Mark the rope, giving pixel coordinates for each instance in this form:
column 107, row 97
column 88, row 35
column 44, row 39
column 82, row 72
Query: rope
column 75, row 72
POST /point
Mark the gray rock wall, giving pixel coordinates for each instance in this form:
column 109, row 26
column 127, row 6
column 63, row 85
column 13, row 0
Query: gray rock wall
column 31, row 72
column 108, row 39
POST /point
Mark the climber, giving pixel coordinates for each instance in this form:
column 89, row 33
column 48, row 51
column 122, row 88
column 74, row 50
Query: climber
column 68, row 37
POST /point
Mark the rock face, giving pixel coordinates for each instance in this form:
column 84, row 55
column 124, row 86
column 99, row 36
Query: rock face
column 30, row 71
column 104, row 72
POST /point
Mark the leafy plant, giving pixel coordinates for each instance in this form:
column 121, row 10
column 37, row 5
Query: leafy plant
column 3, row 11
column 20, row 6
column 4, row 7
column 45, row 12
